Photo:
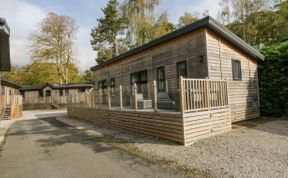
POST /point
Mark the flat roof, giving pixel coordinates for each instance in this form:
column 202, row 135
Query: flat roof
column 207, row 22
column 55, row 86
column 9, row 84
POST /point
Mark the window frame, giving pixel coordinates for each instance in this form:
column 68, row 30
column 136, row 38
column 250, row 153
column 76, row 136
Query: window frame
column 177, row 69
column 103, row 84
column 139, row 79
column 236, row 63
column 112, row 83
column 61, row 93
column 161, row 80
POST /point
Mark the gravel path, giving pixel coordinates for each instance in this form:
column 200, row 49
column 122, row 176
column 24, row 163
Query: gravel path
column 255, row 148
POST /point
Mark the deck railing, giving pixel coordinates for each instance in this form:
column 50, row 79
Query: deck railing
column 203, row 94
column 194, row 95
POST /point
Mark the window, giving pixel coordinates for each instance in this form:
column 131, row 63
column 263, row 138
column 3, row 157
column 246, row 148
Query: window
column 139, row 77
column 181, row 69
column 48, row 93
column 102, row 84
column 236, row 70
column 161, row 79
column 41, row 93
column 66, row 92
column 112, row 82
column 61, row 92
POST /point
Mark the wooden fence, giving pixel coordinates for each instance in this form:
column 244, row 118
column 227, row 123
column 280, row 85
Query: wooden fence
column 203, row 94
column 45, row 99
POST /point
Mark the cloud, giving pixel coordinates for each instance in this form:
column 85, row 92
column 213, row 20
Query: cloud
column 85, row 56
column 22, row 17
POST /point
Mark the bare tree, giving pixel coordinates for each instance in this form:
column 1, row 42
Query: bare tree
column 53, row 42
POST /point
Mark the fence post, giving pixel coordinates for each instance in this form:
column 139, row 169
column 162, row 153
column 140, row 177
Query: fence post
column 181, row 95
column 135, row 97
column 109, row 98
column 155, row 96
column 120, row 97
column 208, row 94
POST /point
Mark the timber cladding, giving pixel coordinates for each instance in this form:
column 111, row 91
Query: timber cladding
column 185, row 129
column 190, row 48
column 168, row 126
column 243, row 94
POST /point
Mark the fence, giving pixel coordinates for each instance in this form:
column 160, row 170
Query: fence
column 201, row 94
column 193, row 95
column 45, row 99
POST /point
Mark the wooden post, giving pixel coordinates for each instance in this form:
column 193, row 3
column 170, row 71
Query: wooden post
column 181, row 95
column 109, row 98
column 120, row 97
column 135, row 97
column 155, row 96
column 208, row 94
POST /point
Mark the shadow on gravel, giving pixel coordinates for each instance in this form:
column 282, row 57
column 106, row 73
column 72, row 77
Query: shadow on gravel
column 55, row 133
column 271, row 125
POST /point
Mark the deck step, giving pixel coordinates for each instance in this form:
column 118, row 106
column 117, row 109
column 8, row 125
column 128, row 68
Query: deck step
column 6, row 113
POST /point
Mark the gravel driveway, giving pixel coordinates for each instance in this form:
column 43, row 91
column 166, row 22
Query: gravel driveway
column 255, row 148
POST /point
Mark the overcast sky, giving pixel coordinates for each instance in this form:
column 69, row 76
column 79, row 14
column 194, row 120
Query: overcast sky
column 24, row 15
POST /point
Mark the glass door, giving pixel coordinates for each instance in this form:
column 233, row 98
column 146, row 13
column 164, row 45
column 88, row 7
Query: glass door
column 161, row 86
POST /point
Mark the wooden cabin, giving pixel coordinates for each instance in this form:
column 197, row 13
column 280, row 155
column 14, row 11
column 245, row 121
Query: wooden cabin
column 202, row 71
column 49, row 96
column 10, row 100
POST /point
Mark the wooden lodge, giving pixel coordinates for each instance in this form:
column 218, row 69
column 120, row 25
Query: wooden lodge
column 10, row 100
column 186, row 85
column 50, row 96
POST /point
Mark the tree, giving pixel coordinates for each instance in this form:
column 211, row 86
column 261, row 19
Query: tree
column 53, row 43
column 264, row 26
column 39, row 73
column 273, row 80
column 105, row 35
column 144, row 24
column 87, row 77
column 186, row 19
column 224, row 15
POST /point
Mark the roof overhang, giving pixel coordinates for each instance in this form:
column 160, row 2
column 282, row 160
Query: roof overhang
column 5, row 64
column 207, row 22
column 9, row 84
column 57, row 87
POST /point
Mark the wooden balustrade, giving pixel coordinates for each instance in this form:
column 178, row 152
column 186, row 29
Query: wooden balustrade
column 203, row 94
column 194, row 95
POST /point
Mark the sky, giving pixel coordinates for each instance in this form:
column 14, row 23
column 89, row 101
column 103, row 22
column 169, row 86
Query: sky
column 23, row 17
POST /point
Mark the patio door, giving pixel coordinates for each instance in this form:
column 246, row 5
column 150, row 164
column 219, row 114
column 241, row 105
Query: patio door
column 161, row 85
column 141, row 79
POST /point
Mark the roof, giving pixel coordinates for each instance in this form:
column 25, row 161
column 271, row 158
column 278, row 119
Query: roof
column 4, row 26
column 9, row 84
column 5, row 64
column 207, row 22
column 55, row 86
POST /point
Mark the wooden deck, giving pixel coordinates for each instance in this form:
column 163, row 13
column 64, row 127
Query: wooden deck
column 204, row 111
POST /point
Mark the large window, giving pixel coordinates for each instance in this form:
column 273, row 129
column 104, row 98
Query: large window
column 139, row 77
column 161, row 79
column 181, row 69
column 236, row 70
column 102, row 84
